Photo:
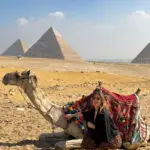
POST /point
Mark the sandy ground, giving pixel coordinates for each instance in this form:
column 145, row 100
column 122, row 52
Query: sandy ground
column 62, row 81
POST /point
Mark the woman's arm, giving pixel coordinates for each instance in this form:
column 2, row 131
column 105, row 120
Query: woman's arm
column 69, row 116
column 78, row 114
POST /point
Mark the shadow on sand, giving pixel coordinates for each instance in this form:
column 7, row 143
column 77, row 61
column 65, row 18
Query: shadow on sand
column 47, row 142
column 38, row 144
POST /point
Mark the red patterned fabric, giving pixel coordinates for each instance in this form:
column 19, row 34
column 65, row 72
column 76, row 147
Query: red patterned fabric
column 123, row 109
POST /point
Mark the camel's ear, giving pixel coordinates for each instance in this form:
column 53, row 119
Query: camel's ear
column 17, row 74
column 35, row 79
column 30, row 73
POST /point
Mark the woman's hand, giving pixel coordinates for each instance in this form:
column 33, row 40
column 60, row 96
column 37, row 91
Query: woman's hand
column 90, row 125
column 68, row 116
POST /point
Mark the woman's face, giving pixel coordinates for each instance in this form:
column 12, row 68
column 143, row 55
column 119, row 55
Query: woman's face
column 97, row 100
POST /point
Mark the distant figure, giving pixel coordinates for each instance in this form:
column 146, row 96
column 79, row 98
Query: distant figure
column 19, row 57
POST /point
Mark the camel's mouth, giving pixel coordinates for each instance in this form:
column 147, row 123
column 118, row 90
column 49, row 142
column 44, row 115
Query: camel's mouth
column 10, row 78
column 5, row 79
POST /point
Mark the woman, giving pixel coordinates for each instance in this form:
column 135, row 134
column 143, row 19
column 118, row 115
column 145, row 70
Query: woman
column 102, row 131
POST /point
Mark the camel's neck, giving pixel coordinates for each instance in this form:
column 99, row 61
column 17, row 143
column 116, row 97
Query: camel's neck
column 39, row 100
column 50, row 111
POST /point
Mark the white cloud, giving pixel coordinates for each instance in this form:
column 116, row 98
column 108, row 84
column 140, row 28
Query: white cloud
column 57, row 14
column 141, row 13
column 23, row 21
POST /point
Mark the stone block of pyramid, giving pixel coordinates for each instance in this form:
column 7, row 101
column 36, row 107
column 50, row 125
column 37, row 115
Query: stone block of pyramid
column 52, row 45
column 19, row 47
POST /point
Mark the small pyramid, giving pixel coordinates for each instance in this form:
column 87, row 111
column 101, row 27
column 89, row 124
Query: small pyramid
column 17, row 48
column 52, row 45
column 144, row 56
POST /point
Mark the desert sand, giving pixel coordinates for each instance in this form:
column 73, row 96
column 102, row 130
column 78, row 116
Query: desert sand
column 62, row 81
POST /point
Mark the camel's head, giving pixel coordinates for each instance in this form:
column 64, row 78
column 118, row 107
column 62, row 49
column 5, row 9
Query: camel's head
column 22, row 79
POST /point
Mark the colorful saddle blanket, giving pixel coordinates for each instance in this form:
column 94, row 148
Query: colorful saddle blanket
column 124, row 109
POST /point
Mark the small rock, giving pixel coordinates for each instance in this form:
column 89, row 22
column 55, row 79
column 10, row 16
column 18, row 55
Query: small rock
column 11, row 92
column 20, row 109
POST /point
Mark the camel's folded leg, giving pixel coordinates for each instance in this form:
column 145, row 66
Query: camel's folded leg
column 74, row 130
column 48, row 137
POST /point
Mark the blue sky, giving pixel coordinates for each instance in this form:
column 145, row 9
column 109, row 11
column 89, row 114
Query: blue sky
column 96, row 29
column 82, row 9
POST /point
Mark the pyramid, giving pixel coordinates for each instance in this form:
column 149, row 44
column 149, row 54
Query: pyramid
column 144, row 56
column 17, row 48
column 52, row 45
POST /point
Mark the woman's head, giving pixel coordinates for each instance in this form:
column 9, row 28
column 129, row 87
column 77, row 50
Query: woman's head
column 98, row 99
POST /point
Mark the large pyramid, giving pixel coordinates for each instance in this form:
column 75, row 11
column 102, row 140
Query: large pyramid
column 19, row 47
column 144, row 56
column 52, row 45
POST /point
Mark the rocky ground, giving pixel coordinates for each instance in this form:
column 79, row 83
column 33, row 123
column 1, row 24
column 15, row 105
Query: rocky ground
column 62, row 81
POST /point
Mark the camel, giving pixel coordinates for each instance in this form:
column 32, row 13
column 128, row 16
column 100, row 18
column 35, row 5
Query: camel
column 51, row 112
